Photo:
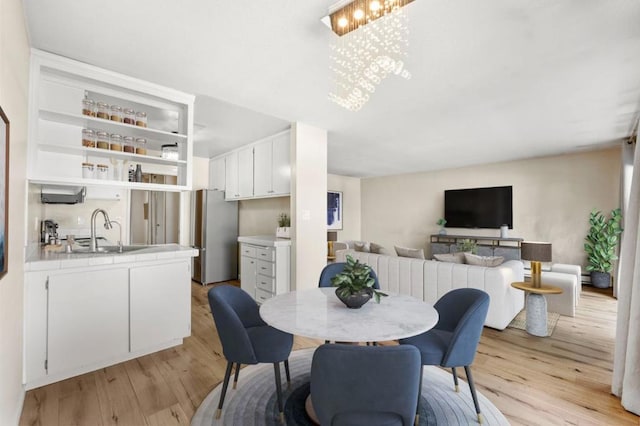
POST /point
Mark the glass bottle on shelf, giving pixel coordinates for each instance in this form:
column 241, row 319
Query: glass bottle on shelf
column 88, row 138
column 116, row 113
column 129, row 144
column 102, row 138
column 129, row 116
column 87, row 171
column 138, row 173
column 141, row 146
column 116, row 142
column 103, row 171
column 88, row 107
column 103, row 110
column 141, row 119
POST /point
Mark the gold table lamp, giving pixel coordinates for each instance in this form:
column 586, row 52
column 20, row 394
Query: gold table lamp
column 536, row 253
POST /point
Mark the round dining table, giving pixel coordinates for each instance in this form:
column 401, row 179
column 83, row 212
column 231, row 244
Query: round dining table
column 318, row 313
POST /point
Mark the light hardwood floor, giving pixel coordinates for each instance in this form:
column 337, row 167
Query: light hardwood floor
column 563, row 379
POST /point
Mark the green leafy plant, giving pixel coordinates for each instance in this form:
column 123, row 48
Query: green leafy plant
column 602, row 239
column 441, row 222
column 467, row 245
column 355, row 277
column 283, row 220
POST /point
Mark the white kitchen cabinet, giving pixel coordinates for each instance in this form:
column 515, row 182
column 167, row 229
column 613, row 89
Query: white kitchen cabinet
column 217, row 174
column 281, row 164
column 262, row 171
column 160, row 300
column 265, row 266
column 56, row 150
column 245, row 172
column 231, row 176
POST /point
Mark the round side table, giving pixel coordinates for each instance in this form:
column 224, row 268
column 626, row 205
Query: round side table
column 537, row 306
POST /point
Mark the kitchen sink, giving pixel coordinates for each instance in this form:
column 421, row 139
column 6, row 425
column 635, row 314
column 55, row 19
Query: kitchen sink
column 110, row 249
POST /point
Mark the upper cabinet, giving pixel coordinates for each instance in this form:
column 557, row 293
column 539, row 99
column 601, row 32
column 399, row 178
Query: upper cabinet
column 259, row 170
column 89, row 126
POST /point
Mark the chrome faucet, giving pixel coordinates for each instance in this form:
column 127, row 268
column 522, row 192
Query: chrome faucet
column 93, row 245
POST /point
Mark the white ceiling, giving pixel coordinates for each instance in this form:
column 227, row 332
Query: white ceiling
column 493, row 80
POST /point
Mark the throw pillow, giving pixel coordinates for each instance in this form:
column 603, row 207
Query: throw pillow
column 361, row 247
column 409, row 252
column 450, row 257
column 473, row 259
column 376, row 248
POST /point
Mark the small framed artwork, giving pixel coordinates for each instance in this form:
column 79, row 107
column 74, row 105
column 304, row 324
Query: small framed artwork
column 334, row 210
column 4, row 192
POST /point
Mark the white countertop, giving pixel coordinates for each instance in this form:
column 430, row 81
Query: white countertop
column 39, row 260
column 265, row 240
column 319, row 314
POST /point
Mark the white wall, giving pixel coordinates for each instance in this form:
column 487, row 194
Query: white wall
column 14, row 83
column 260, row 217
column 200, row 173
column 351, row 200
column 552, row 198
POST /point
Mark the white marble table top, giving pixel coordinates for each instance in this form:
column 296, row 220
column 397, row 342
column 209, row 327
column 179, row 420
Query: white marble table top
column 318, row 313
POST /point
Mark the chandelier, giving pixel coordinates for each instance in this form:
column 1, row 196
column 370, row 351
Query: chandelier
column 372, row 43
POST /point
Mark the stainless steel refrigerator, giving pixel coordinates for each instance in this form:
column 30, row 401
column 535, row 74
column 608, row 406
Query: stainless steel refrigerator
column 215, row 235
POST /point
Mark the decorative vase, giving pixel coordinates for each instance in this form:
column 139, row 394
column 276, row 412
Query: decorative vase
column 442, row 231
column 600, row 279
column 283, row 232
column 504, row 231
column 355, row 301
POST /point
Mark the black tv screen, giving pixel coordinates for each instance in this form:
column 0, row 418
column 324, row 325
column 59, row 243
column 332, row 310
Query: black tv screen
column 479, row 207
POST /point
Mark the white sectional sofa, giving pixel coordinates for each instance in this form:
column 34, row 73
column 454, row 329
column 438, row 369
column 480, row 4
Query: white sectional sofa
column 429, row 280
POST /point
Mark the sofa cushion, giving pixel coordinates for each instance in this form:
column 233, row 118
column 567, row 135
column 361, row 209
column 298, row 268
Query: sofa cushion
column 409, row 252
column 361, row 247
column 473, row 259
column 450, row 257
column 376, row 248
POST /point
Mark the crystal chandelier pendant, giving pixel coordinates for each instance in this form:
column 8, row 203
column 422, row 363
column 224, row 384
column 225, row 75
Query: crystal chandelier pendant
column 371, row 46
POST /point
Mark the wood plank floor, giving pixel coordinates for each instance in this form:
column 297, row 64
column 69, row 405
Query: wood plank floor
column 563, row 379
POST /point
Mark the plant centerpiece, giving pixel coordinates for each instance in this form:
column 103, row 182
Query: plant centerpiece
column 355, row 284
column 284, row 226
column 467, row 246
column 600, row 245
column 441, row 223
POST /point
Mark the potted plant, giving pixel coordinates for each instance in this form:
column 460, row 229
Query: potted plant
column 355, row 284
column 467, row 246
column 284, row 226
column 441, row 223
column 600, row 245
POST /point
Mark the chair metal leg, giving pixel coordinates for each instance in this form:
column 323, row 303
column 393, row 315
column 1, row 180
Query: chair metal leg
column 225, row 384
column 276, row 370
column 455, row 379
column 235, row 378
column 467, row 370
column 286, row 371
column 417, row 421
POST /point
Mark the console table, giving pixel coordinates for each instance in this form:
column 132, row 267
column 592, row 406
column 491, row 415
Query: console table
column 509, row 248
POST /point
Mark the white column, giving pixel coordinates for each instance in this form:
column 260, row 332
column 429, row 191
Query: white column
column 308, row 205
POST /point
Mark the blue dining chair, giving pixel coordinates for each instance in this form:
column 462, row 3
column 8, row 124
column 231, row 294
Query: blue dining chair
column 365, row 385
column 246, row 338
column 333, row 269
column 453, row 342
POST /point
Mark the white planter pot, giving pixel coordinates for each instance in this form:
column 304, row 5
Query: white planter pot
column 284, row 232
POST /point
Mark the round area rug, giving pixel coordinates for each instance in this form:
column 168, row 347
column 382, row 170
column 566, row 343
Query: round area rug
column 253, row 403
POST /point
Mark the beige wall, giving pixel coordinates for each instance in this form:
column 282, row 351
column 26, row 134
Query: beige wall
column 14, row 83
column 200, row 173
column 350, row 187
column 552, row 198
column 260, row 216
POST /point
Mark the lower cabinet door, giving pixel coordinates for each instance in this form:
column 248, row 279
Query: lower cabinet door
column 160, row 298
column 88, row 318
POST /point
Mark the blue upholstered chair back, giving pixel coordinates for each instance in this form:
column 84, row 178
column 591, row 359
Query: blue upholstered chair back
column 462, row 313
column 233, row 312
column 365, row 384
column 333, row 269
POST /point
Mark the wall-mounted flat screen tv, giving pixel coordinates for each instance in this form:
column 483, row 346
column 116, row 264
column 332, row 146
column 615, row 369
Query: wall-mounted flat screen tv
column 479, row 207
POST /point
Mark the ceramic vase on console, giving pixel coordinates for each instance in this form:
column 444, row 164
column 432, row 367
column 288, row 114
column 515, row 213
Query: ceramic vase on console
column 356, row 300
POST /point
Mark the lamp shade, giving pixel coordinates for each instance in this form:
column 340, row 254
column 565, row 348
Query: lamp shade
column 535, row 251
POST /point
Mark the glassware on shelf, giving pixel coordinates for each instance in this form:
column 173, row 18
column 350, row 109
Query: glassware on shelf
column 103, row 171
column 88, row 138
column 88, row 107
column 129, row 116
column 103, row 110
column 118, row 168
column 141, row 146
column 116, row 142
column 138, row 173
column 116, row 113
column 170, row 151
column 141, row 119
column 102, row 139
column 88, row 171
column 129, row 144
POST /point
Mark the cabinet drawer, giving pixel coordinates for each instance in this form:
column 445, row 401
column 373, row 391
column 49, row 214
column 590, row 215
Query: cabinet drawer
column 266, row 253
column 248, row 251
column 265, row 283
column 266, row 268
column 262, row 296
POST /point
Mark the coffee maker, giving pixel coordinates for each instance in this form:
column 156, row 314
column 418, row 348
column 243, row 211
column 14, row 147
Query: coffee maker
column 48, row 232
